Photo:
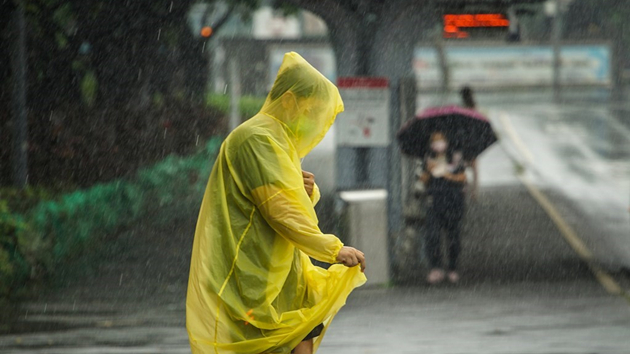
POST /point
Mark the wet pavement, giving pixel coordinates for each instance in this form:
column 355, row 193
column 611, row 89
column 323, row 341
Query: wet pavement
column 583, row 153
column 573, row 317
column 523, row 289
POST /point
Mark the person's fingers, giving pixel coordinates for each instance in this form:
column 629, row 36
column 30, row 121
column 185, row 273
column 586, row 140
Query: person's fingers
column 361, row 259
column 352, row 260
column 355, row 261
column 309, row 181
column 351, row 257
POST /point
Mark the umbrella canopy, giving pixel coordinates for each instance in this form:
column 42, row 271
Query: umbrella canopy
column 466, row 130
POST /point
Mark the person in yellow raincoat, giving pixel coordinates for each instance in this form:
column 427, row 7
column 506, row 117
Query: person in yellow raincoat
column 252, row 286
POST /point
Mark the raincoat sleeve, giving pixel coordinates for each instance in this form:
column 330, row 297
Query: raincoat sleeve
column 316, row 196
column 266, row 173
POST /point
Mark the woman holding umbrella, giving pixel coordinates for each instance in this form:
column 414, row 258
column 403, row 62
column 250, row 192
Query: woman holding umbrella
column 445, row 177
column 447, row 139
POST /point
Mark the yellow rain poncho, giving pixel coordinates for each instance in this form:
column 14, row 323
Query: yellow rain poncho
column 252, row 286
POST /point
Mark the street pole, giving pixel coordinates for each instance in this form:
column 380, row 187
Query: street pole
column 20, row 117
column 555, row 39
column 443, row 62
column 559, row 8
column 402, row 105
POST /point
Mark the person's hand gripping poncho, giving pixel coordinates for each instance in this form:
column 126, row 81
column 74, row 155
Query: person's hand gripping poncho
column 252, row 287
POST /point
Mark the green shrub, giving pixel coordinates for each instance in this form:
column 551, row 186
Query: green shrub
column 32, row 243
column 84, row 216
column 248, row 105
column 219, row 102
column 20, row 250
column 21, row 200
column 13, row 251
column 81, row 216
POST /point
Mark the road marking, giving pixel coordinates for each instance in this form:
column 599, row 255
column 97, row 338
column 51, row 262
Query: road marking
column 516, row 139
column 572, row 238
column 574, row 241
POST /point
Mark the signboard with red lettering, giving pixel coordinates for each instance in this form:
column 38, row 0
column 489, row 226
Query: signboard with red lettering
column 365, row 121
column 458, row 25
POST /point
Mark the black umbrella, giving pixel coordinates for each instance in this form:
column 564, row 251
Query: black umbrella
column 466, row 130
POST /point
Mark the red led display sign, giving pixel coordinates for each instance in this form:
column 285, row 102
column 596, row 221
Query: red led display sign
column 453, row 23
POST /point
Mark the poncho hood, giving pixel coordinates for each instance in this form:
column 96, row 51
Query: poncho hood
column 304, row 100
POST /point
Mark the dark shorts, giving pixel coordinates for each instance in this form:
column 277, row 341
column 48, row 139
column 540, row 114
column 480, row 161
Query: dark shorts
column 315, row 332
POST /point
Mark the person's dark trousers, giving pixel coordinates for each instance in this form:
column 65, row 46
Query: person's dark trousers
column 445, row 214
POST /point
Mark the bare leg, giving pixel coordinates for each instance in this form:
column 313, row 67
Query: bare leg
column 305, row 347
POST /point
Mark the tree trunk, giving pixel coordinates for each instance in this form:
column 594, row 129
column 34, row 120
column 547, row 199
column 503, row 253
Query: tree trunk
column 345, row 43
column 19, row 108
column 6, row 10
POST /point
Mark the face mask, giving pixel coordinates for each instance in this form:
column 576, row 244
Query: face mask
column 299, row 123
column 307, row 132
column 308, row 126
column 439, row 146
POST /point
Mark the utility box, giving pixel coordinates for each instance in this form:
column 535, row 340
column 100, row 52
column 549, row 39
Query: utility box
column 364, row 226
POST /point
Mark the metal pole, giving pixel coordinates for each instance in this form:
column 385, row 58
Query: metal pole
column 394, row 166
column 363, row 178
column 20, row 117
column 442, row 61
column 402, row 104
column 556, row 38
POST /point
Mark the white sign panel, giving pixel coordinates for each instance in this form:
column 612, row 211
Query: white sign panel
column 513, row 66
column 365, row 121
column 585, row 64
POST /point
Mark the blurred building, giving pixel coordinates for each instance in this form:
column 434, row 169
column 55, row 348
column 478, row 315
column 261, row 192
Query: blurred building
column 269, row 23
column 246, row 42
